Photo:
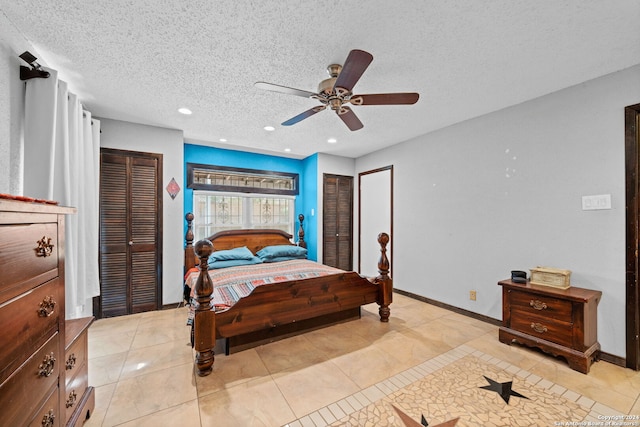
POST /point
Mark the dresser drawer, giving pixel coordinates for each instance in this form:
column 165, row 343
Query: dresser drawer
column 26, row 389
column 27, row 322
column 543, row 327
column 544, row 305
column 48, row 414
column 24, row 265
column 75, row 388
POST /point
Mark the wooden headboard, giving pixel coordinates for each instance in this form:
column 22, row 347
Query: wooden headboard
column 254, row 239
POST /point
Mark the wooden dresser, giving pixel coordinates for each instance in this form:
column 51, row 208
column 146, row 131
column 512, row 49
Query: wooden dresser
column 32, row 315
column 562, row 322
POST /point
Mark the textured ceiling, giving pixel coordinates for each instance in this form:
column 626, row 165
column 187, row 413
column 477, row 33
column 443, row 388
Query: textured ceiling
column 140, row 60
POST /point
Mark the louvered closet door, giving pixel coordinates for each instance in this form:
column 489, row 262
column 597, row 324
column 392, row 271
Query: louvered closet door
column 337, row 214
column 130, row 232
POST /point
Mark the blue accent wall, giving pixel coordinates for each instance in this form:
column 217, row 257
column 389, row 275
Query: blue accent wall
column 310, row 201
column 306, row 169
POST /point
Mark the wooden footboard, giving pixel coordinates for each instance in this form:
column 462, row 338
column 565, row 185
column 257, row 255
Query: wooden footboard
column 282, row 303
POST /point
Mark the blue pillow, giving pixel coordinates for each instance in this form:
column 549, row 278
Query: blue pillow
column 234, row 262
column 279, row 251
column 283, row 258
column 241, row 253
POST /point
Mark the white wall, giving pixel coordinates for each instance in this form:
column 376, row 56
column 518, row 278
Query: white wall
column 168, row 142
column 12, row 44
column 503, row 191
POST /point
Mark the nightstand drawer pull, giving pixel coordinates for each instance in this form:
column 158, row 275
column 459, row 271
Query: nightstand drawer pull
column 538, row 305
column 71, row 362
column 45, row 247
column 46, row 306
column 47, row 366
column 72, row 399
column 538, row 328
column 49, row 419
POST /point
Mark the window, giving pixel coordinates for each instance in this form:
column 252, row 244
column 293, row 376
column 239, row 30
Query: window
column 228, row 179
column 218, row 211
column 226, row 198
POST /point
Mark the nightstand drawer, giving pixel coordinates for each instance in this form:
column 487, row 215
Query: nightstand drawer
column 542, row 327
column 544, row 305
column 75, row 356
column 75, row 388
column 78, row 397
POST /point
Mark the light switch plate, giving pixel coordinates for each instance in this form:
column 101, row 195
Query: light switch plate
column 597, row 202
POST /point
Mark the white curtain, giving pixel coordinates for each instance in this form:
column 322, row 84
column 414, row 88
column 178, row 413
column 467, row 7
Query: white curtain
column 62, row 163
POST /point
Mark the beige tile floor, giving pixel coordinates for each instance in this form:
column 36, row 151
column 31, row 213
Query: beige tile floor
column 142, row 368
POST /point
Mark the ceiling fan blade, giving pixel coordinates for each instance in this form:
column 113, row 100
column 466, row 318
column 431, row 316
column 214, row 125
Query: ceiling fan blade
column 304, row 115
column 385, row 99
column 349, row 118
column 284, row 89
column 355, row 64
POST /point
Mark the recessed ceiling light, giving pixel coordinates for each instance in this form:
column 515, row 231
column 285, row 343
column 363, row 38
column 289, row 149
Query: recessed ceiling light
column 223, row 140
column 269, row 128
column 332, row 140
column 287, row 150
column 184, row 111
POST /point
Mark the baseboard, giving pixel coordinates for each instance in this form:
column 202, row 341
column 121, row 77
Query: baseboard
column 610, row 358
column 613, row 359
column 453, row 308
column 172, row 306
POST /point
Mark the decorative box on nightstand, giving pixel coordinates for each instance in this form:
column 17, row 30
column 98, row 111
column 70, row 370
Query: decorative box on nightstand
column 562, row 322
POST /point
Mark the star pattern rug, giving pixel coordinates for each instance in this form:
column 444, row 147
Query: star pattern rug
column 470, row 390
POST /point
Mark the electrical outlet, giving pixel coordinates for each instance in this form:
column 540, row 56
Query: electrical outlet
column 472, row 295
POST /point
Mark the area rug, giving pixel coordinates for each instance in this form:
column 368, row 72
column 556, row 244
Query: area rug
column 469, row 388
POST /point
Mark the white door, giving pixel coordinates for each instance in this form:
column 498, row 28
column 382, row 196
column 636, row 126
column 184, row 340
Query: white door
column 376, row 216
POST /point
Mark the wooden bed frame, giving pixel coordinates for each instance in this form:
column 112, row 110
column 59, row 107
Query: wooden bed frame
column 279, row 304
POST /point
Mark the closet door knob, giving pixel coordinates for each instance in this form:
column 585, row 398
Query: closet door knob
column 130, row 242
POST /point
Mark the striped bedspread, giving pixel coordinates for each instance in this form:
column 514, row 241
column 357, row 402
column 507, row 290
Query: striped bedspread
column 232, row 283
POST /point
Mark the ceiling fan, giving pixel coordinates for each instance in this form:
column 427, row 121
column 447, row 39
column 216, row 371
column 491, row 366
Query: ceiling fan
column 336, row 91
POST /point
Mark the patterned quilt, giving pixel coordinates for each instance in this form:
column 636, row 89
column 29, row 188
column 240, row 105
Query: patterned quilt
column 232, row 283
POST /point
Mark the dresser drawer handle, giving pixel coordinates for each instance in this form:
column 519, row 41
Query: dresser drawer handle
column 539, row 328
column 71, row 362
column 538, row 305
column 48, row 364
column 48, row 419
column 72, row 399
column 46, row 306
column 45, row 247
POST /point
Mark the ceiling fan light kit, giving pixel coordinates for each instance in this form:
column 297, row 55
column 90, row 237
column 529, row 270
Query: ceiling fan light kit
column 336, row 91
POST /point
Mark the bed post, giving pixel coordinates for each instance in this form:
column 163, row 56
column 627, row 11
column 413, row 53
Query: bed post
column 301, row 241
column 385, row 283
column 204, row 318
column 189, row 256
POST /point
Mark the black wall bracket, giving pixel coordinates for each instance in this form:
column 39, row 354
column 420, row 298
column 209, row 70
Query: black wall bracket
column 35, row 71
